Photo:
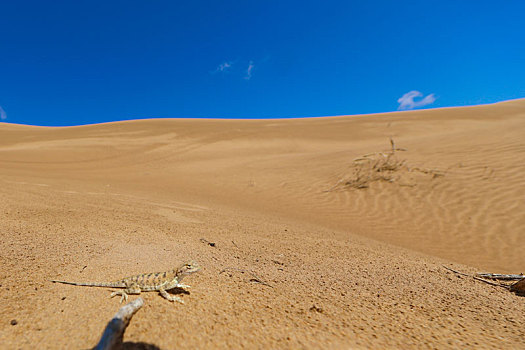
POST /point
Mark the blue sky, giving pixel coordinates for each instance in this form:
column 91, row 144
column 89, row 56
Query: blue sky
column 78, row 62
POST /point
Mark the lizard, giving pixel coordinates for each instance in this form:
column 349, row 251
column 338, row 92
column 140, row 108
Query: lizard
column 147, row 282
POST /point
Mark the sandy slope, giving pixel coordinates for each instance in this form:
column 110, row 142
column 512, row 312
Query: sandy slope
column 347, row 267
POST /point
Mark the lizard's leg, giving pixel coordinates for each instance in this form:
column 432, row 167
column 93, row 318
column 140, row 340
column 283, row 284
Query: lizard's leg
column 131, row 289
column 166, row 295
column 181, row 285
column 122, row 293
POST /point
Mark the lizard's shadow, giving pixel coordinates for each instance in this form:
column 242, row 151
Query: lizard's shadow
column 178, row 290
column 139, row 346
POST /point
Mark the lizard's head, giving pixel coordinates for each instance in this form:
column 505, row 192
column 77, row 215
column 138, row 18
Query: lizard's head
column 188, row 268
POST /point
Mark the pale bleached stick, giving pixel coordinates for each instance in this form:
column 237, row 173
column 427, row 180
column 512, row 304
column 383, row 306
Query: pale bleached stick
column 113, row 334
column 498, row 276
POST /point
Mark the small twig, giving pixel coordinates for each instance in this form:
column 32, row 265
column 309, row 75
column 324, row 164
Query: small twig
column 477, row 278
column 235, row 244
column 491, row 283
column 112, row 337
column 459, row 273
column 83, row 269
column 334, row 186
column 498, row 276
column 394, row 148
column 211, row 244
column 254, row 278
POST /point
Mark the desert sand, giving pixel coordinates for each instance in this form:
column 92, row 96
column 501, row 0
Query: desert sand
column 342, row 267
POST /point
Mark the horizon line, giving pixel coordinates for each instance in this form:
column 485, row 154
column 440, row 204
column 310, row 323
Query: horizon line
column 260, row 118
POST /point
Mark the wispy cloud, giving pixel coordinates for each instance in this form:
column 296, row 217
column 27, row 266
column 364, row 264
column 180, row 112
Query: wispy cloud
column 3, row 116
column 249, row 70
column 224, row 66
column 407, row 100
column 235, row 68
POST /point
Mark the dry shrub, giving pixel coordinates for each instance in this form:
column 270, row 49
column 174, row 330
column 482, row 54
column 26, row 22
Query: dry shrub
column 379, row 167
column 382, row 166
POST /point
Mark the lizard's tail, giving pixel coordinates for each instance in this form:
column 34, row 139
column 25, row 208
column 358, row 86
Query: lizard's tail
column 92, row 284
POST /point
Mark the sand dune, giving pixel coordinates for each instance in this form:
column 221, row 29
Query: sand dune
column 358, row 268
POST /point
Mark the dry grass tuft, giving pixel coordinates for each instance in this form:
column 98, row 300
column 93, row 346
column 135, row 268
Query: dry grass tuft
column 382, row 166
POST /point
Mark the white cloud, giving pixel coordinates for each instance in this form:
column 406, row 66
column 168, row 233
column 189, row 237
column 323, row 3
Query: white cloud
column 407, row 100
column 224, row 66
column 3, row 116
column 248, row 75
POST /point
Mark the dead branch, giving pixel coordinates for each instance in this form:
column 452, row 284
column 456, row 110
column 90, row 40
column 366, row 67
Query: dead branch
column 518, row 287
column 498, row 276
column 112, row 337
column 254, row 278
